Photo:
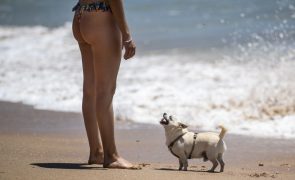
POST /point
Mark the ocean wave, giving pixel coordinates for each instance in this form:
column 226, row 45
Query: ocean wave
column 248, row 88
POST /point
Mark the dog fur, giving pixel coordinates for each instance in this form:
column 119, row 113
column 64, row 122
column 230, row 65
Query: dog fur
column 208, row 145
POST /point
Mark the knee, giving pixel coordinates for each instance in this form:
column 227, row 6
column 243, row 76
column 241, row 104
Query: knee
column 89, row 91
column 104, row 93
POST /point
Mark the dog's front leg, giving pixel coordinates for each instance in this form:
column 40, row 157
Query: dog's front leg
column 180, row 164
column 184, row 163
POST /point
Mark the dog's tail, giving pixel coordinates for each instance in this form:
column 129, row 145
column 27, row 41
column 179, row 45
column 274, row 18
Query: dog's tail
column 223, row 131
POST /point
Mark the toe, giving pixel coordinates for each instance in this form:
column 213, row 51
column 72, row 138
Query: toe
column 121, row 164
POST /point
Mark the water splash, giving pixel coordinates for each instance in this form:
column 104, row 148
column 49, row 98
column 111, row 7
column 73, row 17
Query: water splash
column 249, row 87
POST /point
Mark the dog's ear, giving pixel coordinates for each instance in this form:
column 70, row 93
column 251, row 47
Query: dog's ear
column 183, row 126
column 171, row 118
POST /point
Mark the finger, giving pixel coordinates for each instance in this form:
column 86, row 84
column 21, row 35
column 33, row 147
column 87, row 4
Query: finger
column 132, row 53
column 128, row 52
column 125, row 55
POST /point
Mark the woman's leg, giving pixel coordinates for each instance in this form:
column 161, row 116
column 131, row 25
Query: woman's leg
column 88, row 102
column 88, row 106
column 101, row 32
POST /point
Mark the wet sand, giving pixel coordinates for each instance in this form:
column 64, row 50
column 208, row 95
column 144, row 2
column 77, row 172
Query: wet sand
column 41, row 144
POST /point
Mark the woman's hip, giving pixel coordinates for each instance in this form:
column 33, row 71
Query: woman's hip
column 96, row 27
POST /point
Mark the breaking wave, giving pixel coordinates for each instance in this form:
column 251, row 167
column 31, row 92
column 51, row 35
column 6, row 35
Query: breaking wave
column 247, row 87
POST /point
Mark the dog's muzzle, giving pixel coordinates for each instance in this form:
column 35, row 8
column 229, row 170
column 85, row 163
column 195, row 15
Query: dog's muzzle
column 164, row 121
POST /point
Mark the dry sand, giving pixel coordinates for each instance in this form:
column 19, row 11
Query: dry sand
column 39, row 144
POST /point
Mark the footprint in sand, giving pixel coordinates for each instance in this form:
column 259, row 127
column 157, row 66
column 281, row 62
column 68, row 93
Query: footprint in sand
column 263, row 174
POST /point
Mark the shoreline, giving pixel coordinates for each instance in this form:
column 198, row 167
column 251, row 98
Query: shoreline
column 41, row 144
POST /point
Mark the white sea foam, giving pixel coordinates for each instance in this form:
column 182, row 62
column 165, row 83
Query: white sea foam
column 250, row 91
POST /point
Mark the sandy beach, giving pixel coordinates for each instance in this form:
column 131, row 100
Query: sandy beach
column 41, row 144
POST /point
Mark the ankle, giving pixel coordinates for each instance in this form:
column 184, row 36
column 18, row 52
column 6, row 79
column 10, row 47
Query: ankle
column 97, row 153
column 109, row 158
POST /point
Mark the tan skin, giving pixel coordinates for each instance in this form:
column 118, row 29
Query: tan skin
column 101, row 36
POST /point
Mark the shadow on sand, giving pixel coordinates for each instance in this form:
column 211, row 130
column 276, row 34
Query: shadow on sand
column 170, row 169
column 67, row 166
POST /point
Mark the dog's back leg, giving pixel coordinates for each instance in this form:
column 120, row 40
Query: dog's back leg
column 221, row 162
column 212, row 156
column 215, row 164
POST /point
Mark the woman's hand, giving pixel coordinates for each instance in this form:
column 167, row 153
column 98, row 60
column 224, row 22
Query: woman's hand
column 129, row 49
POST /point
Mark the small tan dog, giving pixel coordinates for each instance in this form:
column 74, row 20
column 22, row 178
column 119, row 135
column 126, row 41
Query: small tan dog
column 186, row 145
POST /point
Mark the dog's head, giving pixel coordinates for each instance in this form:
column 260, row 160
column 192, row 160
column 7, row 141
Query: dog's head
column 171, row 122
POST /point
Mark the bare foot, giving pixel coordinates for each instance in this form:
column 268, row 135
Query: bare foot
column 95, row 161
column 97, row 158
column 120, row 163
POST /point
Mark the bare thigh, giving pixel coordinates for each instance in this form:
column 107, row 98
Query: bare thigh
column 100, row 31
column 87, row 58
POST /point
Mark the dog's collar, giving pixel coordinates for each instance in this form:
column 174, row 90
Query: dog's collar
column 173, row 142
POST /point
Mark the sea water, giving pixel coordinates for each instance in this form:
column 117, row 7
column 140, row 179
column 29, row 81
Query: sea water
column 214, row 62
